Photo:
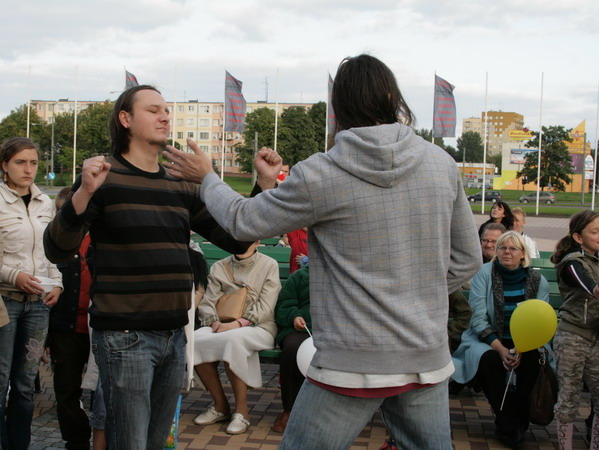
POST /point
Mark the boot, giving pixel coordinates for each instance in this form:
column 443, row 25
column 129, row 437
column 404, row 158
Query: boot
column 594, row 441
column 564, row 435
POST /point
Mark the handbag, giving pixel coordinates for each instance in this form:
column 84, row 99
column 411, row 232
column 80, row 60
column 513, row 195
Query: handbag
column 543, row 395
column 231, row 306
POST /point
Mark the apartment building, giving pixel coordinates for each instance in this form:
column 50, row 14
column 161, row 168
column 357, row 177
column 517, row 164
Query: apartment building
column 499, row 124
column 200, row 121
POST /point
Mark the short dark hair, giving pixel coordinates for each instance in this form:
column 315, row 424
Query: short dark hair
column 493, row 226
column 10, row 147
column 365, row 93
column 62, row 196
column 118, row 133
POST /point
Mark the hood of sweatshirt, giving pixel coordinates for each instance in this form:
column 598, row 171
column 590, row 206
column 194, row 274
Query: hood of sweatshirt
column 381, row 155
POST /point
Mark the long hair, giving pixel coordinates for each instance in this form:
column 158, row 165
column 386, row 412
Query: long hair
column 508, row 216
column 118, row 133
column 11, row 147
column 365, row 93
column 518, row 240
column 567, row 244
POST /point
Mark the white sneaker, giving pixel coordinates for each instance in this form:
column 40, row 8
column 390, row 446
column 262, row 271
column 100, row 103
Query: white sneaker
column 211, row 416
column 238, row 425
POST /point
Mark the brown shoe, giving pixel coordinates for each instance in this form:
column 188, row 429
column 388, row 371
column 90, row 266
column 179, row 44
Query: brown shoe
column 281, row 422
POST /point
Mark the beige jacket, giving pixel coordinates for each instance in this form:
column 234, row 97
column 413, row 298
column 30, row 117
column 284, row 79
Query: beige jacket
column 258, row 272
column 22, row 231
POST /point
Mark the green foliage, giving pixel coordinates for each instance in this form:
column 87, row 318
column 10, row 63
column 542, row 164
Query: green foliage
column 556, row 162
column 261, row 121
column 470, row 144
column 426, row 134
column 93, row 137
column 495, row 159
column 15, row 124
column 318, row 114
column 297, row 136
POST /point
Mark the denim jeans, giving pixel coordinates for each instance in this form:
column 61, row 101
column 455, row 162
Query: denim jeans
column 321, row 419
column 142, row 376
column 21, row 347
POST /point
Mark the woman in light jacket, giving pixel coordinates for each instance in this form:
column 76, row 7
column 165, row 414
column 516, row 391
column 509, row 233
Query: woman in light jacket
column 236, row 343
column 25, row 213
column 486, row 348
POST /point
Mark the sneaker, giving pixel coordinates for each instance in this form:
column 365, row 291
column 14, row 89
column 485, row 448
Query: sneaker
column 211, row 416
column 238, row 425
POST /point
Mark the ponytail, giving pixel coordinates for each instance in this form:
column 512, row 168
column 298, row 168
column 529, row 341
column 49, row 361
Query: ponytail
column 567, row 244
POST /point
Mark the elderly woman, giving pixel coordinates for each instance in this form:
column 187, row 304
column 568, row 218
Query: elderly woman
column 236, row 343
column 500, row 213
column 486, row 351
column 25, row 213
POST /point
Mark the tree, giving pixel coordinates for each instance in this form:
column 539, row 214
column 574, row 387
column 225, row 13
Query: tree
column 261, row 121
column 15, row 124
column 318, row 114
column 297, row 137
column 556, row 162
column 495, row 159
column 426, row 134
column 470, row 144
column 93, row 136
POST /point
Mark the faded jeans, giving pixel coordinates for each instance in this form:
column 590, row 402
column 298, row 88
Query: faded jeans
column 21, row 347
column 142, row 375
column 321, row 419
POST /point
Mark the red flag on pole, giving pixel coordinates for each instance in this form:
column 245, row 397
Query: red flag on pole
column 444, row 116
column 130, row 80
column 234, row 105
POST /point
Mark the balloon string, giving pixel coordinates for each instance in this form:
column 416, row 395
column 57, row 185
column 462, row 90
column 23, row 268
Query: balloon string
column 306, row 327
column 507, row 385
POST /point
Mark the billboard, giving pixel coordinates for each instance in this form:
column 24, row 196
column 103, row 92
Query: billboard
column 518, row 155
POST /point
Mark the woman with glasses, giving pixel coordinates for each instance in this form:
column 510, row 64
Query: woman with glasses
column 486, row 354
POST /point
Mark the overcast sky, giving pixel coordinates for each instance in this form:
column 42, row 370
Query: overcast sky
column 80, row 48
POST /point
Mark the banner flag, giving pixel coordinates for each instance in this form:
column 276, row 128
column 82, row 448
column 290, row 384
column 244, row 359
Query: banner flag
column 234, row 105
column 130, row 80
column 331, row 123
column 444, row 115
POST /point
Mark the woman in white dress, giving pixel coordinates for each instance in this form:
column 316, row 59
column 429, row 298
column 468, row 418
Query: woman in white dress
column 236, row 343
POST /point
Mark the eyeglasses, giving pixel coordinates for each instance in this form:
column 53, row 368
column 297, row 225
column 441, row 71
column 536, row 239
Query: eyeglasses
column 488, row 241
column 511, row 249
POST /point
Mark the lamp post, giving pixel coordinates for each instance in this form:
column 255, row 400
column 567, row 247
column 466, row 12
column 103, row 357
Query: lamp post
column 52, row 146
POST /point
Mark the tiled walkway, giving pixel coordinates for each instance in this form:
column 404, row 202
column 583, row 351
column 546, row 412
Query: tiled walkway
column 471, row 421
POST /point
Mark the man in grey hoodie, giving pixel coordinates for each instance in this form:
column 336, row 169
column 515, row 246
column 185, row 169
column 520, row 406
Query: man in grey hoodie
column 390, row 234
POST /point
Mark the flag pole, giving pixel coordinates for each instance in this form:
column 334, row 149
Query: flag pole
column 596, row 145
column 434, row 93
column 222, row 148
column 540, row 145
column 28, row 100
column 75, row 122
column 326, row 115
column 276, row 110
column 174, row 127
column 485, row 143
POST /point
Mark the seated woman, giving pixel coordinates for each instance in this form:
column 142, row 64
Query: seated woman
column 500, row 213
column 485, row 348
column 292, row 315
column 236, row 343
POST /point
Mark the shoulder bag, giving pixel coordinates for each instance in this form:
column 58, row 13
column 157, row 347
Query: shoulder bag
column 231, row 306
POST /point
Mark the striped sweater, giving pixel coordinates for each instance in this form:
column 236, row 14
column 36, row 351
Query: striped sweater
column 139, row 223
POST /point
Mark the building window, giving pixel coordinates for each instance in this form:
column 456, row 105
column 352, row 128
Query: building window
column 215, row 136
column 215, row 162
column 218, row 109
column 203, row 136
column 179, row 135
column 179, row 122
column 180, row 108
column 205, row 148
column 204, row 123
column 237, row 163
column 191, row 108
column 215, row 149
column 205, row 109
column 190, row 134
column 191, row 122
column 216, row 123
column 250, row 109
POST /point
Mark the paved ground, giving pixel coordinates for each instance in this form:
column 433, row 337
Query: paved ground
column 471, row 421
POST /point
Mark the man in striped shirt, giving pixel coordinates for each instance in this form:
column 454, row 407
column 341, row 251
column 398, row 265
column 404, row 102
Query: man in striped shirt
column 139, row 219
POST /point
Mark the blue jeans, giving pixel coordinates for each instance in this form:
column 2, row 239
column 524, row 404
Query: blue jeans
column 142, row 375
column 321, row 419
column 21, row 347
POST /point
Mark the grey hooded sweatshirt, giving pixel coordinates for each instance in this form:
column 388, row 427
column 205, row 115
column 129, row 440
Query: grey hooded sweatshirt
column 390, row 234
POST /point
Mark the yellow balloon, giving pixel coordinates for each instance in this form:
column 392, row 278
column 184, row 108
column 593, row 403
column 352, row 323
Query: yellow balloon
column 532, row 325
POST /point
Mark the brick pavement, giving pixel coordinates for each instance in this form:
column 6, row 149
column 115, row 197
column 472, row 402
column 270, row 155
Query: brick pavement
column 472, row 422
